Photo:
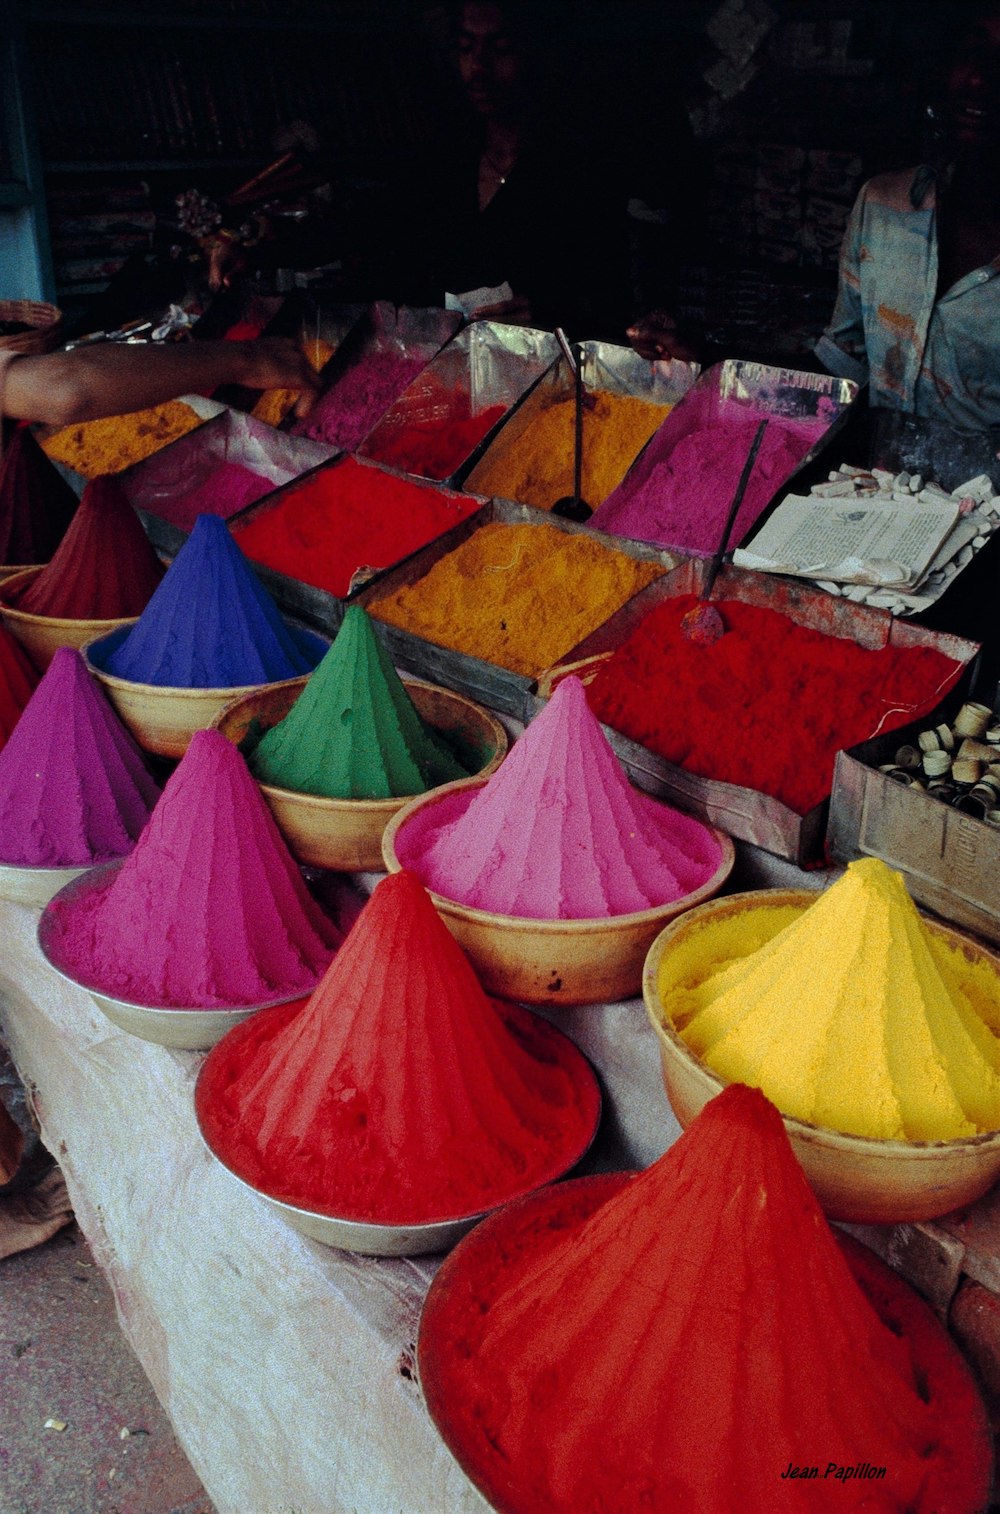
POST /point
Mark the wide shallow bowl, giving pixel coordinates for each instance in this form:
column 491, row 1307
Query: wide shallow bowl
column 380, row 1239
column 856, row 1178
column 164, row 719
column 43, row 635
column 543, row 961
column 186, row 1029
column 35, row 885
column 470, row 1281
column 346, row 834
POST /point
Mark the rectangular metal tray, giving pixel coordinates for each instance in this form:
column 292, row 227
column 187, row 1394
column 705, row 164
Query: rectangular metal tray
column 950, row 861
column 743, row 813
column 606, row 369
column 488, row 364
column 500, row 689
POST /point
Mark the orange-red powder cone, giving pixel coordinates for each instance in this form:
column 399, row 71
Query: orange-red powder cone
column 687, row 1344
column 17, row 683
column 398, row 1093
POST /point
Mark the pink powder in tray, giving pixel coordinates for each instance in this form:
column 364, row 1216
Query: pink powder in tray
column 679, row 491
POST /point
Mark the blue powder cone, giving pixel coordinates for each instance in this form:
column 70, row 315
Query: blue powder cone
column 211, row 624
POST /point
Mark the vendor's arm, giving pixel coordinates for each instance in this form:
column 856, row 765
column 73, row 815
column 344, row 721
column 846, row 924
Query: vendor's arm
column 841, row 348
column 62, row 388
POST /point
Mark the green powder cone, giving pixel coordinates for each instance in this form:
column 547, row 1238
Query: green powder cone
column 353, row 733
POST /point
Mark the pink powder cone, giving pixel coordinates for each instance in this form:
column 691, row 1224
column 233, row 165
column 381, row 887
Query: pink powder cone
column 210, row 910
column 74, row 790
column 559, row 832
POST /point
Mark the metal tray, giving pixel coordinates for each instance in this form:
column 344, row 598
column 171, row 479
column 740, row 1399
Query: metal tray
column 498, row 688
column 184, row 465
column 743, row 813
column 486, row 364
column 606, row 369
column 951, row 861
column 784, row 393
column 318, row 607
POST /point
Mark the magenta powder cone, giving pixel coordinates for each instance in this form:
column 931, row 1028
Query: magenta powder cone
column 558, row 832
column 210, row 910
column 74, row 790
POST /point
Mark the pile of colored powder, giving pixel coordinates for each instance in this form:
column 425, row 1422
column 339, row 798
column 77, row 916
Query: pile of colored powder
column 399, row 1093
column 558, row 832
column 275, row 404
column 679, row 1340
column 769, row 705
column 532, row 460
column 209, row 910
column 223, row 491
column 517, row 595
column 210, row 625
column 346, row 517
column 118, row 441
column 103, row 569
column 853, row 1015
column 679, row 494
column 348, row 410
column 435, row 448
column 17, row 683
column 74, row 790
column 36, row 502
column 354, row 733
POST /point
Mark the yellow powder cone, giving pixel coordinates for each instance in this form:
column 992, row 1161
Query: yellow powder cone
column 856, row 1018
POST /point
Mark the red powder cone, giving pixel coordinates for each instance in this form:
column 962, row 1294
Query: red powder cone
column 36, row 503
column 17, row 683
column 105, row 566
column 686, row 1344
column 210, row 910
column 400, row 1093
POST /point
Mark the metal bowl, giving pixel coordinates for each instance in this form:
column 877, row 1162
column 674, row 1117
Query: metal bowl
column 35, row 885
column 164, row 719
column 855, row 1178
column 185, row 1028
column 43, row 635
column 379, row 1239
column 346, row 834
column 550, row 961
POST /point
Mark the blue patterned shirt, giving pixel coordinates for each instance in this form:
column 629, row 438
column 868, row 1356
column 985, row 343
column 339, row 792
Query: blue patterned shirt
column 935, row 358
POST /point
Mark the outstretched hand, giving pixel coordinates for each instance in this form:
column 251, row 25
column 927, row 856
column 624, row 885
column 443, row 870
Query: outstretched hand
column 656, row 335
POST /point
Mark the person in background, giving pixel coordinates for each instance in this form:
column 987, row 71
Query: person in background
column 917, row 315
column 62, row 388
column 515, row 196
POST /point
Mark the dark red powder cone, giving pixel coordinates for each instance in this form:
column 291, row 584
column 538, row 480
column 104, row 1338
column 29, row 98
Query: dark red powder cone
column 399, row 1093
column 17, row 682
column 105, row 566
column 685, row 1344
column 36, row 502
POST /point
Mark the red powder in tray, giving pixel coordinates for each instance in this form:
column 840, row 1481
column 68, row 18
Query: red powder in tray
column 345, row 517
column 17, row 683
column 769, row 705
column 398, row 1093
column 435, row 448
column 676, row 1341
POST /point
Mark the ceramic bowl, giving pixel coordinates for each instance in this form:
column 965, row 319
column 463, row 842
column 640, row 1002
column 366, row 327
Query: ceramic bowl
column 43, row 635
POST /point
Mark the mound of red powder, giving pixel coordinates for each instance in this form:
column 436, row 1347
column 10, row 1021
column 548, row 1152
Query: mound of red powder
column 435, row 448
column 768, row 705
column 398, row 1093
column 36, row 502
column 17, row 683
column 682, row 1342
column 104, row 568
column 349, row 516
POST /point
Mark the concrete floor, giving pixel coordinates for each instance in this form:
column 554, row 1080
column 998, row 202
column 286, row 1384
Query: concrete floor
column 63, row 1357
